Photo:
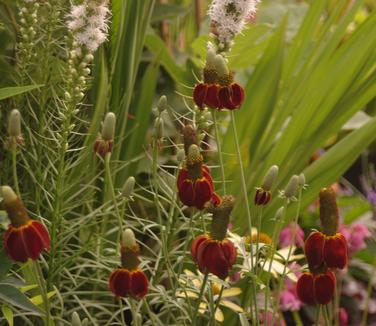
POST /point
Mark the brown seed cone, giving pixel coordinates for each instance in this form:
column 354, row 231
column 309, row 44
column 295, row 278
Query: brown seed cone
column 329, row 215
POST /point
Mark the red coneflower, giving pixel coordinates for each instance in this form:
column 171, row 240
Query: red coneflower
column 24, row 238
column 128, row 280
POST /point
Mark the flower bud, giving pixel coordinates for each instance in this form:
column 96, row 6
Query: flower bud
column 128, row 187
column 270, row 177
column 76, row 321
column 162, row 103
column 210, row 59
column 292, row 187
column 108, row 127
column 158, row 127
column 180, row 155
column 221, row 65
column 128, row 239
column 190, row 137
column 14, row 126
column 301, row 180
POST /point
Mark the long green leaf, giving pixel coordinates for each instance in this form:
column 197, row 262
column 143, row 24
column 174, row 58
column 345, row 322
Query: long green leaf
column 7, row 92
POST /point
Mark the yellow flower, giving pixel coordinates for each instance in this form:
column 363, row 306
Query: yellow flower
column 192, row 283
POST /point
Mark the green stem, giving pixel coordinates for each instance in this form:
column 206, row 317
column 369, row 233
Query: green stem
column 133, row 308
column 14, row 168
column 326, row 316
column 369, row 292
column 297, row 318
column 43, row 291
column 203, row 285
column 220, row 155
column 246, row 202
column 317, row 317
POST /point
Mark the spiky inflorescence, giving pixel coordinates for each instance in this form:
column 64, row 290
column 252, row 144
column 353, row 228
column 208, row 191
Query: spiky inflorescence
column 230, row 16
column 88, row 23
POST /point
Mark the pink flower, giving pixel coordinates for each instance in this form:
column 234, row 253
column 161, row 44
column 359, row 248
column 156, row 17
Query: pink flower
column 343, row 316
column 355, row 234
column 289, row 301
column 286, row 235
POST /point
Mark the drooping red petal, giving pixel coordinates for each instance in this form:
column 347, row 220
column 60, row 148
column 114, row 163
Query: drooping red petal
column 119, row 282
column 224, row 96
column 313, row 248
column 139, row 284
column 212, row 99
column 237, row 97
column 195, row 244
column 199, row 94
column 203, row 192
column 262, row 197
column 42, row 232
column 206, row 174
column 32, row 242
column 14, row 244
column 304, row 288
column 324, row 287
column 216, row 199
column 335, row 251
column 229, row 251
column 183, row 175
column 187, row 192
column 211, row 258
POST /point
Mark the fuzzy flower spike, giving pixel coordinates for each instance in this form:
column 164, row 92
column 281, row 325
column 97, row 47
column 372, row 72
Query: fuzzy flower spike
column 88, row 23
column 229, row 17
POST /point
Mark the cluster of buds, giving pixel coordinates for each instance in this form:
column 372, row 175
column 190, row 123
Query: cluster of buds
column 28, row 14
column 15, row 137
column 105, row 140
column 194, row 181
column 129, row 280
column 25, row 238
column 212, row 252
column 263, row 194
column 325, row 251
column 218, row 90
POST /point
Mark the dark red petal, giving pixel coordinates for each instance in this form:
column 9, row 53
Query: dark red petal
column 324, row 287
column 183, row 175
column 139, row 284
column 262, row 197
column 212, row 99
column 224, row 96
column 304, row 288
column 335, row 251
column 216, row 199
column 237, row 95
column 229, row 251
column 313, row 248
column 203, row 192
column 42, row 232
column 33, row 242
column 211, row 258
column 199, row 94
column 206, row 174
column 119, row 282
column 195, row 244
column 14, row 244
column 186, row 193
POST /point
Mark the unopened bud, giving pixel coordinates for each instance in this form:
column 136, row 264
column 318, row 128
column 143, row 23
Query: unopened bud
column 301, row 180
column 180, row 155
column 108, row 128
column 128, row 239
column 292, row 187
column 158, row 127
column 221, row 65
column 76, row 321
column 210, row 59
column 128, row 187
column 162, row 103
column 14, row 126
column 270, row 177
column 280, row 214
